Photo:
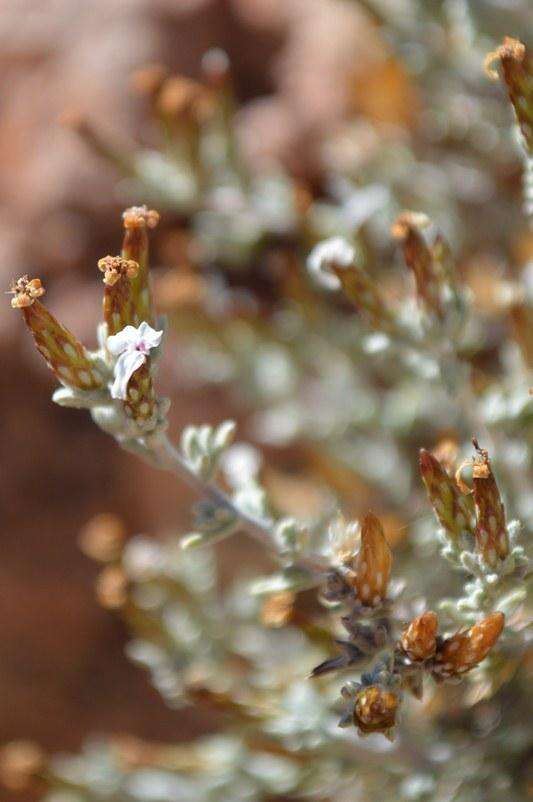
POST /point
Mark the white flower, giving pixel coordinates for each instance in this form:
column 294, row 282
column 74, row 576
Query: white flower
column 334, row 251
column 131, row 346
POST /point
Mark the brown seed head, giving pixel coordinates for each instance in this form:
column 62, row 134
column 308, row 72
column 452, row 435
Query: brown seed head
column 25, row 291
column 373, row 563
column 465, row 650
column 375, row 709
column 140, row 217
column 418, row 640
column 115, row 268
column 20, row 763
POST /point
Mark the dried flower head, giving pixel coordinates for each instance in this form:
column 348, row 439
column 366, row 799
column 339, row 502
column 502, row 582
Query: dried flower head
column 465, row 650
column 517, row 67
column 492, row 540
column 25, row 291
column 419, row 639
column 375, row 710
column 140, row 217
column 66, row 357
column 454, row 510
column 115, row 268
column 373, row 563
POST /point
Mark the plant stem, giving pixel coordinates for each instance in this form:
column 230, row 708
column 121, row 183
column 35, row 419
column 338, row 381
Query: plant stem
column 161, row 452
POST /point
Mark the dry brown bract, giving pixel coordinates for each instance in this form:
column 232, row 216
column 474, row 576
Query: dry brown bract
column 115, row 267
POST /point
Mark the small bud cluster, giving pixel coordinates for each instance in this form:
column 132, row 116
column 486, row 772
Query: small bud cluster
column 122, row 369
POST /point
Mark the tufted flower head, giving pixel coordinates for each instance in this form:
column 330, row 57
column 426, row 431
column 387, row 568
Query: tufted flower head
column 131, row 346
column 326, row 257
column 375, row 710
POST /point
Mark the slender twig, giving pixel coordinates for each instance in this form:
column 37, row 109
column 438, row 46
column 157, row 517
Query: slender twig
column 160, row 451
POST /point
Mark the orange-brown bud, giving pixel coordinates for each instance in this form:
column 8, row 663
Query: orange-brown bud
column 117, row 303
column 419, row 259
column 491, row 532
column 66, row 357
column 375, row 709
column 517, row 67
column 419, row 639
column 465, row 650
column 454, row 511
column 135, row 247
column 373, row 563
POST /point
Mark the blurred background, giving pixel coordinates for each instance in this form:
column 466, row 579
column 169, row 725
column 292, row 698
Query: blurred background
column 377, row 91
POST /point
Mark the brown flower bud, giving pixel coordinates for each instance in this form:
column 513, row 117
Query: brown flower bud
column 373, row 563
column 492, row 540
column 375, row 709
column 517, row 67
column 419, row 639
column 117, row 303
column 20, row 763
column 419, row 259
column 465, row 650
column 66, row 357
column 102, row 537
column 454, row 511
column 135, row 247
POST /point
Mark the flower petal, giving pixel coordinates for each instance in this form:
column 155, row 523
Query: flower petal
column 124, row 340
column 125, row 366
column 149, row 336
